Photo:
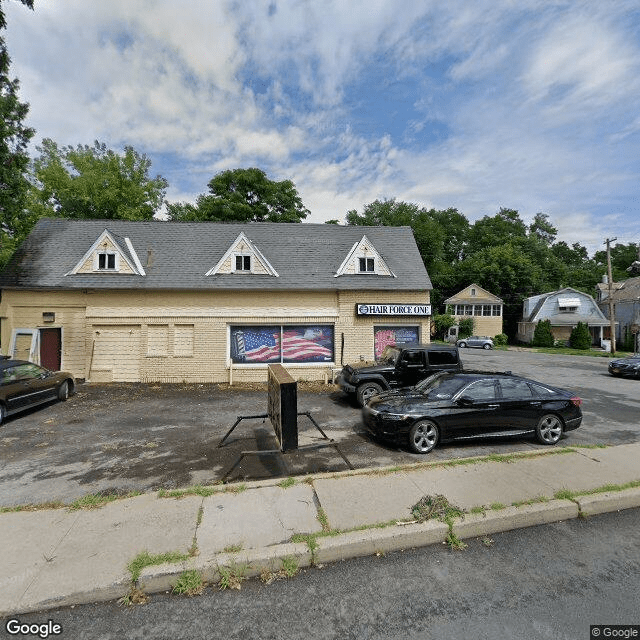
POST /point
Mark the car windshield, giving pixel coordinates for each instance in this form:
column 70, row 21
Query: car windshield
column 441, row 386
column 390, row 355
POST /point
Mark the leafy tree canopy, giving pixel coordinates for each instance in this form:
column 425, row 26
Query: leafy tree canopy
column 96, row 182
column 14, row 138
column 244, row 195
column 622, row 257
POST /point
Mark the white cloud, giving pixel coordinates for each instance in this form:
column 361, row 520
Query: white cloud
column 534, row 104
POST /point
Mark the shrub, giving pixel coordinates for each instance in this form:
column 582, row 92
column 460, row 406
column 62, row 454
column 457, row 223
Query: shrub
column 442, row 323
column 501, row 339
column 542, row 336
column 466, row 327
column 580, row 337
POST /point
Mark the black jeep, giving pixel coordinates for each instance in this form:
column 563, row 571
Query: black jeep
column 403, row 365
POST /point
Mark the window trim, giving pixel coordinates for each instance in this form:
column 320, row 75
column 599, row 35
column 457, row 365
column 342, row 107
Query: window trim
column 367, row 260
column 243, row 256
column 106, row 253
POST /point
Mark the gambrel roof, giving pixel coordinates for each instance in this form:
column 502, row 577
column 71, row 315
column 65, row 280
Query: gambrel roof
column 563, row 307
column 189, row 256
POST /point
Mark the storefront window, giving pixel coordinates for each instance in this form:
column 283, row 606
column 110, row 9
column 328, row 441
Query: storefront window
column 281, row 343
column 385, row 336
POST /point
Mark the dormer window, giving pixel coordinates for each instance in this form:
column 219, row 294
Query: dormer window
column 367, row 265
column 243, row 263
column 106, row 261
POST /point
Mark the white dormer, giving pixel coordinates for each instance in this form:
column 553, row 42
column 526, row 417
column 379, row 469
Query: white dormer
column 243, row 257
column 106, row 256
column 364, row 259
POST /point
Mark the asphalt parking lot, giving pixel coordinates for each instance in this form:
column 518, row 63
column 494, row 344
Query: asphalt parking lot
column 135, row 437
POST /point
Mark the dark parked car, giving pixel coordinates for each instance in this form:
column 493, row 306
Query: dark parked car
column 399, row 366
column 481, row 342
column 451, row 406
column 24, row 384
column 629, row 366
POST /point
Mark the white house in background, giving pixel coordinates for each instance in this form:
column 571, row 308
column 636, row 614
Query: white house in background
column 564, row 309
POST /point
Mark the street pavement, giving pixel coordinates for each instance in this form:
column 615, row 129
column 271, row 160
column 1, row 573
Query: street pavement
column 56, row 557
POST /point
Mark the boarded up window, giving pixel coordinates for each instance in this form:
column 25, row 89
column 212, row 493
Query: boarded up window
column 22, row 350
column 183, row 340
column 157, row 340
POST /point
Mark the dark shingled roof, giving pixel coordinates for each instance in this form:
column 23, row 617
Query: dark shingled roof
column 306, row 256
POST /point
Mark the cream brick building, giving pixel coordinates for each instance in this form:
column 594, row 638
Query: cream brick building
column 204, row 302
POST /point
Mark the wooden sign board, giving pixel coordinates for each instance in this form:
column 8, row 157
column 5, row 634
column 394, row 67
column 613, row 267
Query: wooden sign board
column 283, row 406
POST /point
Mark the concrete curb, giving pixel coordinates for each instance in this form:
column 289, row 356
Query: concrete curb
column 363, row 542
column 474, row 525
column 609, row 501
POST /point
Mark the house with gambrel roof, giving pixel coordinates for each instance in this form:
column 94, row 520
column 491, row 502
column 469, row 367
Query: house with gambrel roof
column 564, row 309
column 113, row 300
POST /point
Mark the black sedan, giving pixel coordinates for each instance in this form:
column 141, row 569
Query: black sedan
column 24, row 385
column 629, row 366
column 451, row 406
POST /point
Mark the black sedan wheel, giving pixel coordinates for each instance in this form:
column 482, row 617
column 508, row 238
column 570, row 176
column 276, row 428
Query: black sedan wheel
column 63, row 391
column 423, row 436
column 462, row 345
column 367, row 391
column 549, row 429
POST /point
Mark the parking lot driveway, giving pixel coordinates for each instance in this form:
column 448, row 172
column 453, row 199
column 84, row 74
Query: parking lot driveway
column 136, row 437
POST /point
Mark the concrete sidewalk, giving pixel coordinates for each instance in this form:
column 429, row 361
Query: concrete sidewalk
column 56, row 557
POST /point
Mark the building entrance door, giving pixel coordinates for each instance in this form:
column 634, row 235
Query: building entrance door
column 51, row 348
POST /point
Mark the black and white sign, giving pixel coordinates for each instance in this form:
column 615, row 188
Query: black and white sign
column 393, row 309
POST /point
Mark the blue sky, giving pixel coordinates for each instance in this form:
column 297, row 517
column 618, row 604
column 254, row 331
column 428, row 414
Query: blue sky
column 474, row 104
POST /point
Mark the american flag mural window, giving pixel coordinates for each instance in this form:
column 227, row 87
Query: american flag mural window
column 281, row 343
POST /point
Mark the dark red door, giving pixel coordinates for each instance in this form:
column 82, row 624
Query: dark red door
column 50, row 348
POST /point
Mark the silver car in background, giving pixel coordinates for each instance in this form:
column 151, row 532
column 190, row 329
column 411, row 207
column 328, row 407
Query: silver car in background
column 480, row 342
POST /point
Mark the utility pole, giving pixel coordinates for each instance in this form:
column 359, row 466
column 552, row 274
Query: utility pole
column 611, row 305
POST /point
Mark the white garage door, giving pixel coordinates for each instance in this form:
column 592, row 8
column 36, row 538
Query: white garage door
column 116, row 350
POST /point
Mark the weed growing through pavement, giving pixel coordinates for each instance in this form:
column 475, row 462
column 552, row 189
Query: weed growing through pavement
column 190, row 583
column 288, row 482
column 323, row 520
column 438, row 508
column 34, row 507
column 145, row 559
column 232, row 577
column 290, row 566
column 486, row 541
column 454, row 542
column 233, row 548
column 134, row 597
column 435, row 507
column 97, row 500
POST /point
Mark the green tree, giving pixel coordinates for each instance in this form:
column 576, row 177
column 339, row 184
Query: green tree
column 440, row 235
column 622, row 257
column 442, row 323
column 244, row 195
column 542, row 336
column 14, row 160
column 505, row 227
column 580, row 337
column 96, row 182
column 467, row 326
column 542, row 229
